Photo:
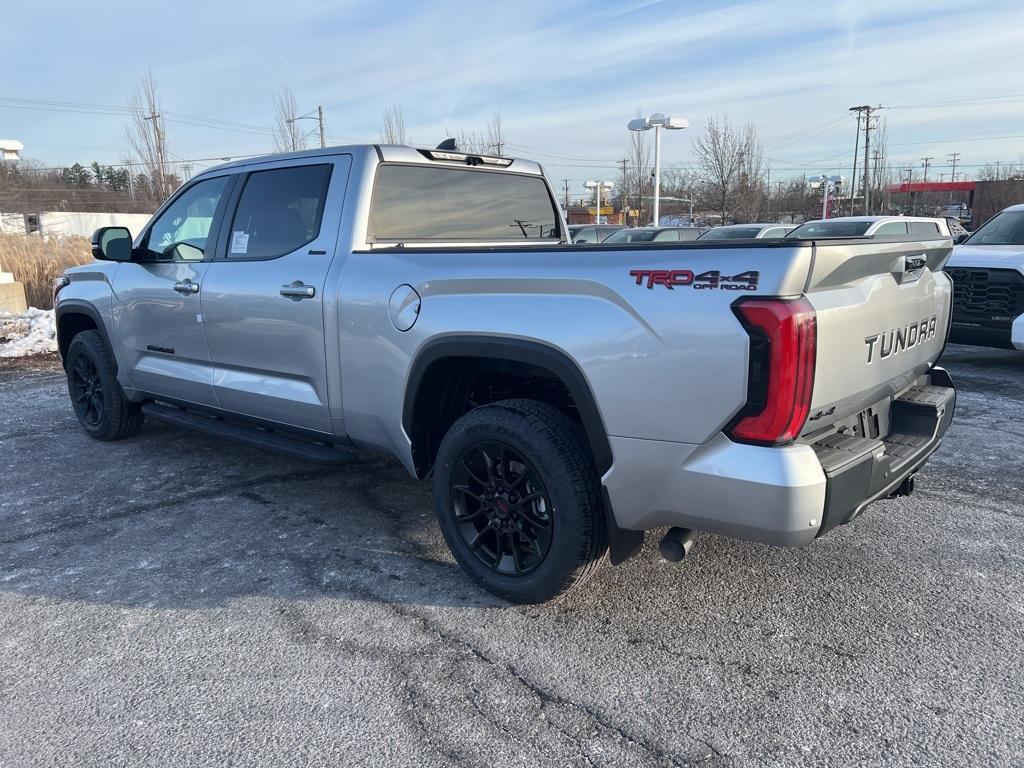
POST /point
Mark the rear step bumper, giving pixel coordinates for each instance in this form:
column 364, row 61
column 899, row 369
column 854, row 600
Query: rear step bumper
column 861, row 470
column 784, row 496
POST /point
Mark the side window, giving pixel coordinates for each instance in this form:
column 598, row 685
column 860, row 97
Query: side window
column 775, row 232
column 668, row 234
column 279, row 211
column 924, row 228
column 891, row 229
column 180, row 233
column 588, row 235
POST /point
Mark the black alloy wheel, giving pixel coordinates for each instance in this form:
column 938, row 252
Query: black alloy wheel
column 517, row 498
column 86, row 391
column 501, row 508
column 96, row 396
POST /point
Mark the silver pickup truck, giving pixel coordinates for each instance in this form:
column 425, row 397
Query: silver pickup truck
column 564, row 399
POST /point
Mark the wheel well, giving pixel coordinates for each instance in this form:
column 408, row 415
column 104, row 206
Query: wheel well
column 69, row 325
column 451, row 386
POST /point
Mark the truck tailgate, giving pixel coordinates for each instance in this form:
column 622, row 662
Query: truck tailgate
column 883, row 313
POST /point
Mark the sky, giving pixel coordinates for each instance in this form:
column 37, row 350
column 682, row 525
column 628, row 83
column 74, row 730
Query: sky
column 565, row 76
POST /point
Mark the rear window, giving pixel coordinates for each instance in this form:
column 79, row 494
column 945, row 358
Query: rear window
column 631, row 236
column 730, row 233
column 892, row 229
column 829, row 229
column 926, row 228
column 413, row 202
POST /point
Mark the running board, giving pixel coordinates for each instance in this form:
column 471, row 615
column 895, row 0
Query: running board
column 246, row 435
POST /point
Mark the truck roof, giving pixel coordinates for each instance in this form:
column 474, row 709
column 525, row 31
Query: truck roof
column 877, row 219
column 397, row 153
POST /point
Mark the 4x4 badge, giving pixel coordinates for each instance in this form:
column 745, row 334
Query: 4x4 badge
column 713, row 279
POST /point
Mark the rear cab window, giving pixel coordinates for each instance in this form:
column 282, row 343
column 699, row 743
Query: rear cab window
column 814, row 229
column 892, row 229
column 925, row 229
column 421, row 203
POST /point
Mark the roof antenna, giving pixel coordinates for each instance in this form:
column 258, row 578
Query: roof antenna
column 448, row 145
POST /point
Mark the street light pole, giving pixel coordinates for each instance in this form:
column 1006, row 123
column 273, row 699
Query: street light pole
column 657, row 121
column 657, row 174
column 597, row 186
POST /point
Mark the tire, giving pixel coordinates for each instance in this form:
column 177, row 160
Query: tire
column 96, row 396
column 517, row 498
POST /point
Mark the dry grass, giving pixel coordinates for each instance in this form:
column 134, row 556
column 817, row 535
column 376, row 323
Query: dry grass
column 36, row 261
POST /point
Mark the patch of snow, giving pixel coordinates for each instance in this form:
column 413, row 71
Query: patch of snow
column 31, row 333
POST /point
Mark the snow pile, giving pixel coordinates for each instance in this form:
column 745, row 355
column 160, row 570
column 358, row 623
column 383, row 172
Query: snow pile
column 31, row 333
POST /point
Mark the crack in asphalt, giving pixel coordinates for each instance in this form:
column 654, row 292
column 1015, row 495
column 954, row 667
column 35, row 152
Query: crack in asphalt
column 170, row 502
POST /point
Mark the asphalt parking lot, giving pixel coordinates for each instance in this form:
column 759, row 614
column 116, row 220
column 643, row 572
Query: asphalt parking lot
column 176, row 600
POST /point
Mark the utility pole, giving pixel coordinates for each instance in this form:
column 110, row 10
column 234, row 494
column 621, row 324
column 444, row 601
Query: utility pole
column 926, row 161
column 865, row 114
column 320, row 118
column 565, row 183
column 856, row 146
column 953, row 157
column 623, row 196
column 158, row 138
column 768, row 186
column 867, row 169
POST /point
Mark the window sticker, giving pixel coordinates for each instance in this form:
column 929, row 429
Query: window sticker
column 239, row 242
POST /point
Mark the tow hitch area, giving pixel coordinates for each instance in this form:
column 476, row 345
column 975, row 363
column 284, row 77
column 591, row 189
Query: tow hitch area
column 906, row 488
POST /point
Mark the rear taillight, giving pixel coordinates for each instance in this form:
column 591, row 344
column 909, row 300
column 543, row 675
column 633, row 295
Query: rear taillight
column 783, row 342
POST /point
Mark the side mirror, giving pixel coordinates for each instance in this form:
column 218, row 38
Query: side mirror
column 960, row 238
column 112, row 244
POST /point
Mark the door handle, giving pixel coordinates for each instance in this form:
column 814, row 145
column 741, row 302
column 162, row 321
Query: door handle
column 298, row 291
column 186, row 286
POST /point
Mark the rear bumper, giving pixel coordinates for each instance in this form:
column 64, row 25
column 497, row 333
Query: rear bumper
column 1011, row 337
column 860, row 470
column 783, row 496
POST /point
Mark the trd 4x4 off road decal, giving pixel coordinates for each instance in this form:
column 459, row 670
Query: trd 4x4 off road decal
column 715, row 280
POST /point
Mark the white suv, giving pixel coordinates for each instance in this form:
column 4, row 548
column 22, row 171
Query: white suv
column 988, row 279
column 871, row 226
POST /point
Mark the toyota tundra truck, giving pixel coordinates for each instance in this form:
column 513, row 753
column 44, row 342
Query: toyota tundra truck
column 564, row 399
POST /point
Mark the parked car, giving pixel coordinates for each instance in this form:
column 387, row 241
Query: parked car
column 591, row 233
column 747, row 231
column 872, row 226
column 654, row 235
column 427, row 304
column 988, row 275
column 957, row 229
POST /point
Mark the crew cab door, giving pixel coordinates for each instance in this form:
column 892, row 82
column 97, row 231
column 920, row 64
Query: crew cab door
column 263, row 300
column 158, row 317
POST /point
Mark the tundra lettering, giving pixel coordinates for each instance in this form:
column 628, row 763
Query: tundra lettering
column 899, row 339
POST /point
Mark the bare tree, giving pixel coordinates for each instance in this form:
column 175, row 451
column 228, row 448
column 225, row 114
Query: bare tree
column 392, row 128
column 750, row 189
column 491, row 141
column 721, row 157
column 495, row 134
column 147, row 136
column 637, row 172
column 288, row 137
column 882, row 177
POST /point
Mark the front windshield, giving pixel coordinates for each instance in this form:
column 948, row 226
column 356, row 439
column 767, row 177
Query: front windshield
column 1006, row 228
column 829, row 229
column 632, row 236
column 730, row 233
